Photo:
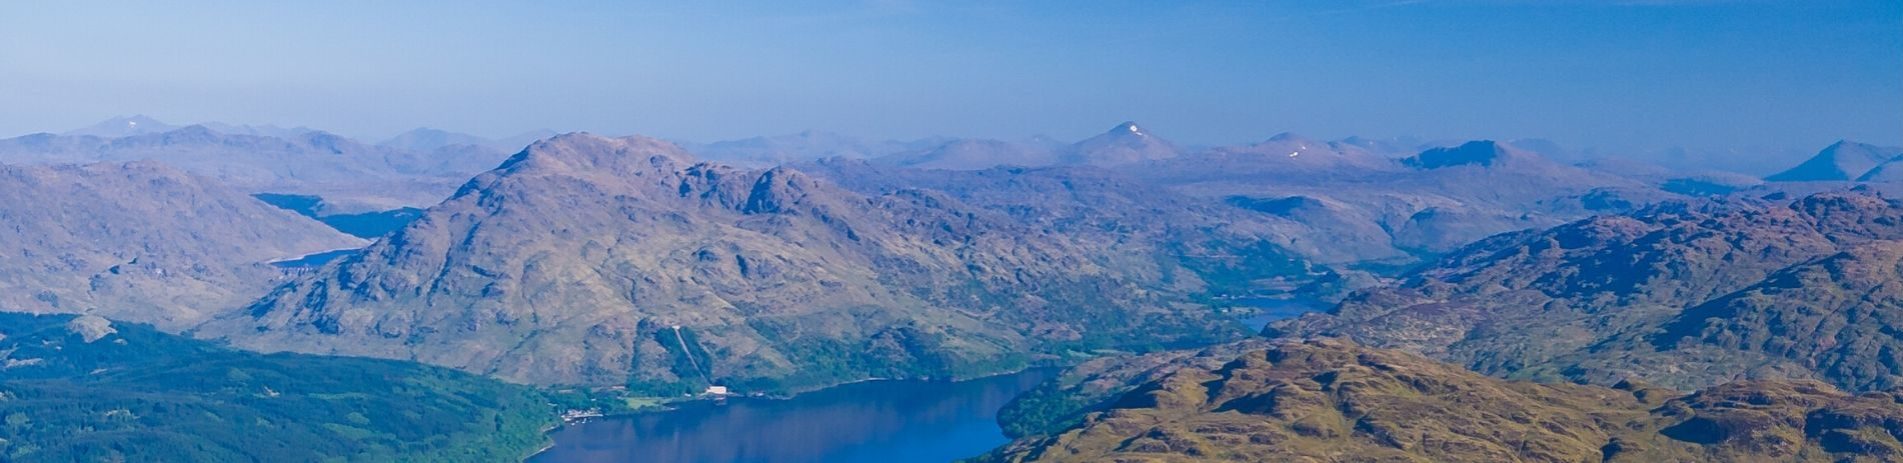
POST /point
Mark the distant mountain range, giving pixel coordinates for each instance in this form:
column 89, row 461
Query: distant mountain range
column 804, row 146
column 312, row 162
column 431, row 140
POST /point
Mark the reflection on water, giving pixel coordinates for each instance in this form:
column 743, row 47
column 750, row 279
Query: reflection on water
column 881, row 421
column 316, row 259
column 1272, row 309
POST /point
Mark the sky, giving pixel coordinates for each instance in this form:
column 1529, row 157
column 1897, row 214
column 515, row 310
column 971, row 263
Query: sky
column 1614, row 74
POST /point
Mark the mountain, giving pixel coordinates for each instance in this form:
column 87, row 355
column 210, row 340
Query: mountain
column 1232, row 249
column 1688, row 182
column 123, row 126
column 140, row 241
column 1127, row 144
column 804, row 146
column 443, row 144
column 1293, row 152
column 1685, row 295
column 1890, row 171
column 1842, row 161
column 313, row 162
column 259, row 130
column 83, row 388
column 1483, row 153
column 1427, row 204
column 972, row 154
column 1330, row 400
column 589, row 260
column 428, row 139
column 1124, row 144
column 1390, row 147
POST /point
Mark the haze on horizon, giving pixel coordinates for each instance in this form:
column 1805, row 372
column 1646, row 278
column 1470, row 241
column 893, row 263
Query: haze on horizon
column 1610, row 74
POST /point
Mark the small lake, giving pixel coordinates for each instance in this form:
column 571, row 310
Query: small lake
column 876, row 421
column 317, row 259
column 1271, row 309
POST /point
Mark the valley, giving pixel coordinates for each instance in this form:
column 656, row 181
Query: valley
column 587, row 274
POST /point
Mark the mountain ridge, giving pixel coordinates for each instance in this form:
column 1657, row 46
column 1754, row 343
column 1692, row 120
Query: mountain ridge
column 1683, row 295
column 571, row 262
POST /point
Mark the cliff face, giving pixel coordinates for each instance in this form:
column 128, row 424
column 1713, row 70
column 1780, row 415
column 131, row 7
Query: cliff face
column 1686, row 296
column 1331, row 400
column 573, row 261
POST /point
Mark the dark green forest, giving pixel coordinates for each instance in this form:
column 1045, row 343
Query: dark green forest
column 73, row 392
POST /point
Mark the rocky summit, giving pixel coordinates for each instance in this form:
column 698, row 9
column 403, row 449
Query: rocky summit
column 1332, row 400
column 591, row 260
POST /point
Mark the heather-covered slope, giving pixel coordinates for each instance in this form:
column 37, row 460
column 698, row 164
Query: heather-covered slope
column 1681, row 295
column 140, row 242
column 575, row 261
column 1335, row 401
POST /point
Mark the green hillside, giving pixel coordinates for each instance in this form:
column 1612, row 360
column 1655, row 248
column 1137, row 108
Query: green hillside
column 84, row 389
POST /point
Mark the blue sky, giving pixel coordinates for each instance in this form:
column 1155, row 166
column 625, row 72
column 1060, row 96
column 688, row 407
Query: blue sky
column 1617, row 74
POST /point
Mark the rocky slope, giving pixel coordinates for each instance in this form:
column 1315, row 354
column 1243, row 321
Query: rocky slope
column 140, row 242
column 1683, row 295
column 1334, row 401
column 577, row 259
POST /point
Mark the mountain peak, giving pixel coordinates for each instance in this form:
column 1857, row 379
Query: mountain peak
column 1485, row 153
column 123, row 126
column 427, row 139
column 1841, row 161
column 583, row 151
column 1124, row 144
column 1288, row 136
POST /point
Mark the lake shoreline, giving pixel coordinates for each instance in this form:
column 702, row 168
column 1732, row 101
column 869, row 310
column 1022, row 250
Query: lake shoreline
column 897, row 413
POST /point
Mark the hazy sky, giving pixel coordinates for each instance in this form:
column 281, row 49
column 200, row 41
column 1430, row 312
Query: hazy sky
column 1707, row 73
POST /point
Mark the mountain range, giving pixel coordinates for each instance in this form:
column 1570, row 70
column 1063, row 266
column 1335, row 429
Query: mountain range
column 783, row 264
column 1681, row 294
column 590, row 260
column 270, row 160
